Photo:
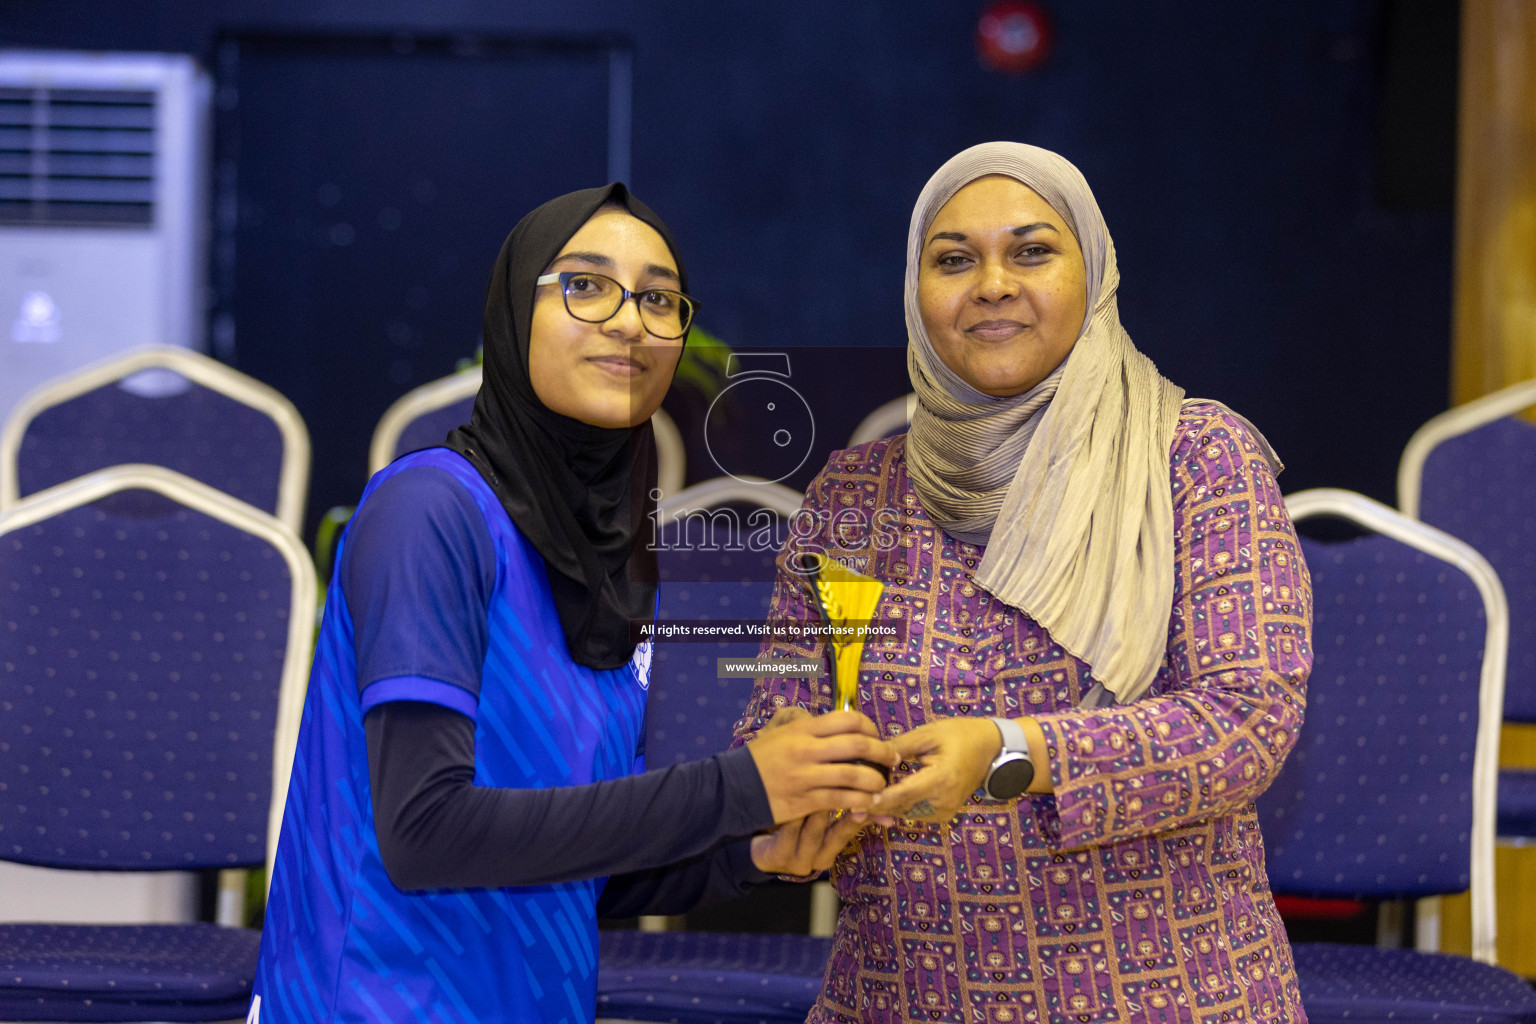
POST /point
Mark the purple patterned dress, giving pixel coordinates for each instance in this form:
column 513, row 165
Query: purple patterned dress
column 1135, row 892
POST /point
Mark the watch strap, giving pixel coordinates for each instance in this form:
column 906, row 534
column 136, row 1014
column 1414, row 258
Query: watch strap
column 1013, row 736
column 1015, row 750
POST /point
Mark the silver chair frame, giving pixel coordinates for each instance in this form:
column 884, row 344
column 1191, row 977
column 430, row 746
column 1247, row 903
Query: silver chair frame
column 217, row 505
column 1379, row 518
column 893, row 415
column 1453, row 423
column 785, row 502
column 748, row 490
column 671, row 454
column 293, row 481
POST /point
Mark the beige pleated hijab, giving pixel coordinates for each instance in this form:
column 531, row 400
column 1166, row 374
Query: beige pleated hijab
column 1067, row 484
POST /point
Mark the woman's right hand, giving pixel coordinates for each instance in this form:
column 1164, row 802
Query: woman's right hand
column 802, row 760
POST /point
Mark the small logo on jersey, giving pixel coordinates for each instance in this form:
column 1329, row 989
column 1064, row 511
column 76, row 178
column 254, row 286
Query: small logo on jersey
column 640, row 665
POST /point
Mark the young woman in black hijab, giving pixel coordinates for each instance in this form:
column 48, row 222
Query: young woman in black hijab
column 464, row 804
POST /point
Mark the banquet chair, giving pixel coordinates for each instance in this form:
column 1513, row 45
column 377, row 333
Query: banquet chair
column 706, row 577
column 1388, row 793
column 167, row 407
column 893, row 417
column 156, row 640
column 1472, row 473
column 423, row 417
column 708, row 977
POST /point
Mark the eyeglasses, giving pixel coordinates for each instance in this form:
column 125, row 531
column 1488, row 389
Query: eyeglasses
column 594, row 298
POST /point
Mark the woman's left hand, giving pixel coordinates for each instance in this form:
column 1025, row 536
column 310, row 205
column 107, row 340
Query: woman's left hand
column 807, row 846
column 955, row 754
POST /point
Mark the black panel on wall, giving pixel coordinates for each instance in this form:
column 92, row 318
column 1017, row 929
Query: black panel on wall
column 1416, row 121
column 364, row 186
column 1235, row 150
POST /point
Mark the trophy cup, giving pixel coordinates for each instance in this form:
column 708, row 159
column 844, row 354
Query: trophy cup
column 847, row 602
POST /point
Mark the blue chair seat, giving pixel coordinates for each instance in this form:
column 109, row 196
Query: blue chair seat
column 171, row 972
column 1517, row 802
column 1365, row 985
column 709, row 977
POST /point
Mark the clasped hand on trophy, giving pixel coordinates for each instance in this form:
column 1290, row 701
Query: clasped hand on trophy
column 807, row 765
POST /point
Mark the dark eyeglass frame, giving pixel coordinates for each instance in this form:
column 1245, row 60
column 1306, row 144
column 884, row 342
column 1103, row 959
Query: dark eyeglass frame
column 563, row 279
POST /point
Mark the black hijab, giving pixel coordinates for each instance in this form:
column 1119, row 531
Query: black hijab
column 580, row 494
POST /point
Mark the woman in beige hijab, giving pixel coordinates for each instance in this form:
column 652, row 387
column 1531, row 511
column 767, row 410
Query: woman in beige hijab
column 1105, row 621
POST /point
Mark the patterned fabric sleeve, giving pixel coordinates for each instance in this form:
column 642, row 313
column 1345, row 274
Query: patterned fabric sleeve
column 1227, row 705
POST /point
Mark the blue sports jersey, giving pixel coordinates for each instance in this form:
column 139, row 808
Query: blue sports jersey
column 340, row 942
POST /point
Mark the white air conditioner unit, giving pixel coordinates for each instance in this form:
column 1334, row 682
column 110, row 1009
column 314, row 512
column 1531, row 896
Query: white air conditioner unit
column 103, row 183
column 103, row 172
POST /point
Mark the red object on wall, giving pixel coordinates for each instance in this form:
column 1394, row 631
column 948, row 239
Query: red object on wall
column 1314, row 908
column 1013, row 36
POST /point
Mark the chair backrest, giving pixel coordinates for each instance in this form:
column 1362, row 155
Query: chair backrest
column 1389, row 791
column 423, row 416
column 893, row 417
column 718, row 542
column 156, row 642
column 1472, row 473
column 167, row 407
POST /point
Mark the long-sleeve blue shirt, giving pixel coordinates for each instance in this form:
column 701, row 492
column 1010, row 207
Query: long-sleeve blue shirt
column 465, row 798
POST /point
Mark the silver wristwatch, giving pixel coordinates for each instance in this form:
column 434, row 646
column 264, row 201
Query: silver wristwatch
column 1012, row 771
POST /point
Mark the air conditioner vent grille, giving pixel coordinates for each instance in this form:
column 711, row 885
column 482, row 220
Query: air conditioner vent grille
column 77, row 156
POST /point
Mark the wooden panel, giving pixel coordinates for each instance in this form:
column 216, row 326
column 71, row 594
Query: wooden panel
column 1495, row 286
column 1495, row 293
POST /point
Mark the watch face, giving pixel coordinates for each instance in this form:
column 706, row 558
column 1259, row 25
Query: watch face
column 1011, row 778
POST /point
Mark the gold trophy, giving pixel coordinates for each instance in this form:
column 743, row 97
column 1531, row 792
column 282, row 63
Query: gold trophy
column 847, row 602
